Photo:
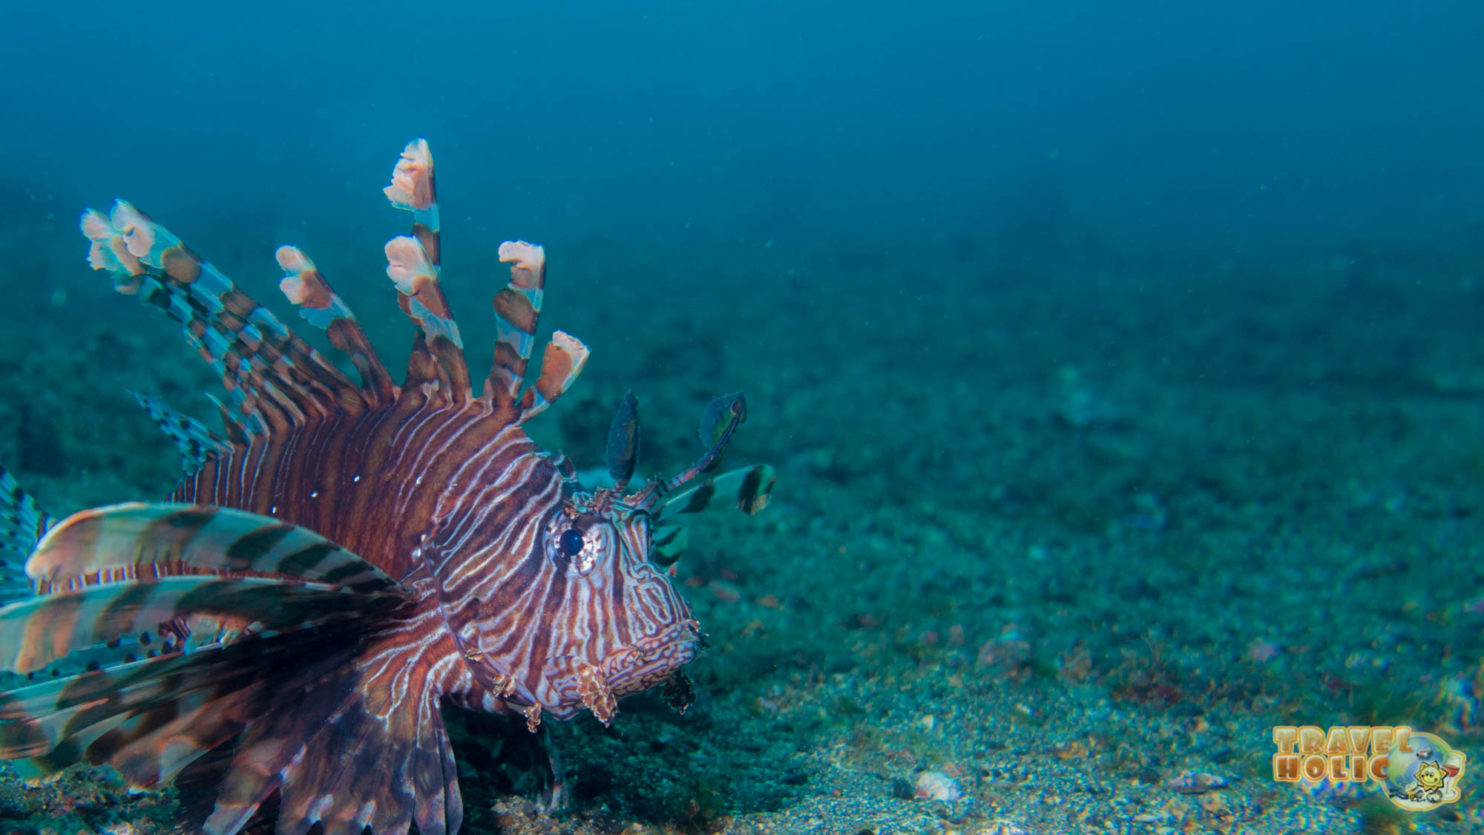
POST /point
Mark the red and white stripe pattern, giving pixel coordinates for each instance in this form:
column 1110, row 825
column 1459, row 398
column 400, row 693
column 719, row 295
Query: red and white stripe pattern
column 347, row 557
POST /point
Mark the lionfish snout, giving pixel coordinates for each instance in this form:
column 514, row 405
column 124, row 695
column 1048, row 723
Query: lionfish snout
column 654, row 659
column 598, row 683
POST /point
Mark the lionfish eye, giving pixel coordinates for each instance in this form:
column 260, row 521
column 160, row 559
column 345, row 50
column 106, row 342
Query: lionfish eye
column 571, row 542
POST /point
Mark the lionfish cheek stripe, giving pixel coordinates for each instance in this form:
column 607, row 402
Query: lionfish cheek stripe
column 346, row 557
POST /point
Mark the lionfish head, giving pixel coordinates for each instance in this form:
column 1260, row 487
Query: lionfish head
column 627, row 629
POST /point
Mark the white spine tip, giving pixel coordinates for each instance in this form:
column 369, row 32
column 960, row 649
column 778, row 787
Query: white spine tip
column 95, row 226
column 412, row 179
column 572, row 346
column 292, row 259
column 522, row 255
column 406, row 263
column 138, row 232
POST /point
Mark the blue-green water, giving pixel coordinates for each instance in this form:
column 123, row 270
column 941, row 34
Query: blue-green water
column 1121, row 363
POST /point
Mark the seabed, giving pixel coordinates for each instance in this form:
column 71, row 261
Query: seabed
column 1054, row 545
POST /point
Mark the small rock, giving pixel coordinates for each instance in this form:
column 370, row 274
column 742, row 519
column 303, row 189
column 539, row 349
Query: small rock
column 936, row 786
column 1197, row 782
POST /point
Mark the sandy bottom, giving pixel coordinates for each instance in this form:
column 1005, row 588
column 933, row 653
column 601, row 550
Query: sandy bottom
column 1052, row 548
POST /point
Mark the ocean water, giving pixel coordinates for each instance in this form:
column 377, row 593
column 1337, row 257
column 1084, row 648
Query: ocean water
column 1120, row 363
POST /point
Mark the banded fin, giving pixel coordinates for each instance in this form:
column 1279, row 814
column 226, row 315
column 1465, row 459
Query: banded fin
column 436, row 368
column 747, row 489
column 183, row 635
column 517, row 312
column 137, row 541
column 196, row 443
column 22, row 523
column 110, row 606
column 154, row 718
column 561, row 362
column 273, row 378
column 151, row 702
column 667, row 544
column 622, row 453
column 113, row 653
column 377, row 762
column 305, row 286
column 285, row 709
column 77, row 708
column 718, row 423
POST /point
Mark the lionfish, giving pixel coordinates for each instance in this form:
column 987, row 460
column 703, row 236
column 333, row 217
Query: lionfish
column 346, row 559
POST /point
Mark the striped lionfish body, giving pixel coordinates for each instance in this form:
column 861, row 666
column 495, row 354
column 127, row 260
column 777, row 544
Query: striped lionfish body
column 347, row 558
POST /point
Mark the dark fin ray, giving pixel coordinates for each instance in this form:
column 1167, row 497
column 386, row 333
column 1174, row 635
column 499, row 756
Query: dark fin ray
column 273, row 377
column 22, row 523
column 362, row 770
column 623, row 442
column 196, row 443
column 151, row 718
column 307, row 289
column 344, row 748
column 720, row 420
column 436, row 370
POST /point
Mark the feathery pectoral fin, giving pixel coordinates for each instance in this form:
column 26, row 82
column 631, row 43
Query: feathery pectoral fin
column 38, row 631
column 122, row 538
column 377, row 764
column 154, row 696
column 177, row 705
column 351, row 744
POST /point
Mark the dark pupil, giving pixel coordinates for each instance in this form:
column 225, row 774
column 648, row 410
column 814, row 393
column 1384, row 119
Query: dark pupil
column 571, row 542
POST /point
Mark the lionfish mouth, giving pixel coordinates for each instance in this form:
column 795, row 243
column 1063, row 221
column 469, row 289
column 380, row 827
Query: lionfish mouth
column 652, row 660
column 639, row 666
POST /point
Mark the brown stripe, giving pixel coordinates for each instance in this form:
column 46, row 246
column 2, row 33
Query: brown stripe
column 181, row 264
column 243, row 554
column 556, row 372
column 303, row 562
column 430, row 241
column 515, row 308
column 166, row 538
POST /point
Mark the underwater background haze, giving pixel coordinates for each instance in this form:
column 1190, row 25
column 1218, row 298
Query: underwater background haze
column 1121, row 364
